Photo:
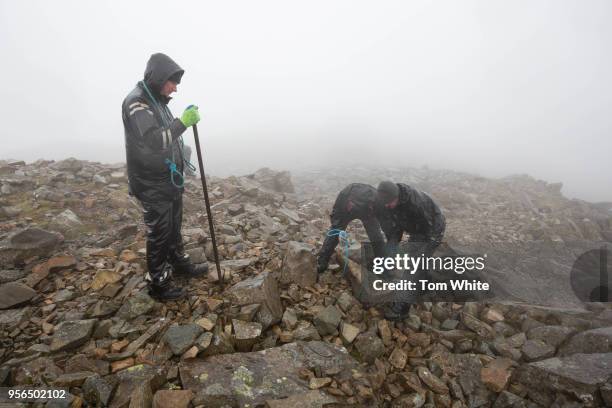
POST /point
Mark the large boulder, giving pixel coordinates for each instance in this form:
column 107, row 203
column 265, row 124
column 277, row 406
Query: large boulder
column 172, row 398
column 71, row 334
column 534, row 350
column 551, row 335
column 180, row 338
column 13, row 294
column 578, row 377
column 589, row 341
column 27, row 243
column 246, row 334
column 137, row 383
column 278, row 181
column 327, row 320
column 251, row 379
column 137, row 305
column 468, row 370
column 310, row 399
column 97, row 391
column 261, row 289
column 68, row 223
column 47, row 194
column 14, row 317
column 299, row 265
column 369, row 347
column 38, row 371
column 71, row 165
column 11, row 275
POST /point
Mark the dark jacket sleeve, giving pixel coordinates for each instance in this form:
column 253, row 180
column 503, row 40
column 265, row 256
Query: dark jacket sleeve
column 439, row 223
column 372, row 227
column 144, row 125
column 433, row 215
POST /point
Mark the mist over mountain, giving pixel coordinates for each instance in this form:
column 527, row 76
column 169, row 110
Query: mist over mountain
column 490, row 88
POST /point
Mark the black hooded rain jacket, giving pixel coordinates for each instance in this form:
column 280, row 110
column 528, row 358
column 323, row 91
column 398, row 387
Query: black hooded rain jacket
column 150, row 130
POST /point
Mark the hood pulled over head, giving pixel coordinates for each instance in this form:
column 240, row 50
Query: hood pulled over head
column 387, row 191
column 161, row 68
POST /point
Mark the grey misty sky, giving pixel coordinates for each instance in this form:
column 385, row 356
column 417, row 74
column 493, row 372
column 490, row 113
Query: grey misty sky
column 491, row 87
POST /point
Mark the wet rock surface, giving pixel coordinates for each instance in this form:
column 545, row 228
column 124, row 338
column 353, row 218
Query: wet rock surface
column 74, row 309
column 242, row 379
column 71, row 334
column 14, row 294
column 579, row 375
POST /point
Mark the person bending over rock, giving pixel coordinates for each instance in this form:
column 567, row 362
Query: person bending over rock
column 415, row 213
column 357, row 201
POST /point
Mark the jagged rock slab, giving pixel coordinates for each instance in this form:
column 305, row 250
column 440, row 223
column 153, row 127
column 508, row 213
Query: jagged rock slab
column 580, row 376
column 278, row 181
column 327, row 320
column 14, row 317
column 261, row 289
column 11, row 275
column 508, row 400
column 299, row 265
column 310, row 399
column 251, row 379
column 369, row 347
column 237, row 265
column 245, row 334
column 172, row 398
column 468, row 371
column 68, row 223
column 590, row 341
column 552, row 335
column 537, row 350
column 27, row 243
column 36, row 371
column 137, row 305
column 136, row 380
column 97, row 391
column 180, row 337
column 70, row 164
column 139, row 342
column 71, row 334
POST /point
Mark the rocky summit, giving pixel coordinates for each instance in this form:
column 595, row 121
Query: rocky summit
column 75, row 313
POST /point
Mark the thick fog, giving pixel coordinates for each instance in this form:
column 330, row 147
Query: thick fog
column 491, row 87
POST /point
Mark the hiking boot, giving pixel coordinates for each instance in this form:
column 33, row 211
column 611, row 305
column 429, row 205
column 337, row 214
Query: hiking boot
column 166, row 292
column 397, row 311
column 189, row 270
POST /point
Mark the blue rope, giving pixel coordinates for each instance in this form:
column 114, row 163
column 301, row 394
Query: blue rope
column 173, row 171
column 166, row 118
column 343, row 236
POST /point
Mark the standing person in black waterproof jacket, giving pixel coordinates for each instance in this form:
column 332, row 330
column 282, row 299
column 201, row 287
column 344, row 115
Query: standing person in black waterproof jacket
column 355, row 201
column 413, row 212
column 154, row 150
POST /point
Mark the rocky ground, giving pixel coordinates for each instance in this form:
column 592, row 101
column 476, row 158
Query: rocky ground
column 74, row 311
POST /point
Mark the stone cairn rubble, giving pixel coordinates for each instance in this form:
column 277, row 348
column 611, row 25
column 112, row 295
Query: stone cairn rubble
column 74, row 311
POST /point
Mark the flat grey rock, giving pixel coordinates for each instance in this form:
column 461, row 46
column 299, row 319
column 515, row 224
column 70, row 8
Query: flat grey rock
column 251, row 379
column 14, row 294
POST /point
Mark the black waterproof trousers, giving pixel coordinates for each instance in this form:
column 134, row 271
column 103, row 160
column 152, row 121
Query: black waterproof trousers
column 164, row 241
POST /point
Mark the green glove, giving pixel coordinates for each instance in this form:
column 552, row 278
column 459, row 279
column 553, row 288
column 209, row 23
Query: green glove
column 191, row 116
